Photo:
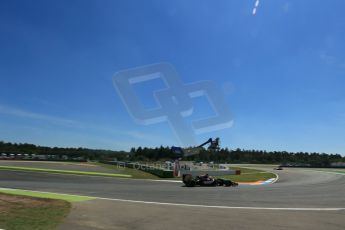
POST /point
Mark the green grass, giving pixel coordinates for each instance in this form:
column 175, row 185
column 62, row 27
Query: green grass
column 64, row 171
column 134, row 173
column 250, row 175
column 47, row 195
column 24, row 213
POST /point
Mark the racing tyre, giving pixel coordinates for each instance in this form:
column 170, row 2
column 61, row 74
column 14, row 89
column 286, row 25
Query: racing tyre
column 227, row 183
column 190, row 183
column 220, row 182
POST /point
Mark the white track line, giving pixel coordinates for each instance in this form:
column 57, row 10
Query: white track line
column 220, row 207
column 277, row 178
column 192, row 205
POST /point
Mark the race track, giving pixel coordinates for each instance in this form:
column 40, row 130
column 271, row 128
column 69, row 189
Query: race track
column 300, row 199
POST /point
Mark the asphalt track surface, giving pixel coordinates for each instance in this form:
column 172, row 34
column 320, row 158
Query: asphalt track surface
column 300, row 199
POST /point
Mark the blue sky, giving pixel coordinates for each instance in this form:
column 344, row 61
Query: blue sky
column 282, row 70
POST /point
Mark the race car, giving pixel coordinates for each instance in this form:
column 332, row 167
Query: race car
column 278, row 168
column 206, row 180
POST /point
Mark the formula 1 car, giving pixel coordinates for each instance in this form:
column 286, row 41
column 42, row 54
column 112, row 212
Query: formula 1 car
column 206, row 180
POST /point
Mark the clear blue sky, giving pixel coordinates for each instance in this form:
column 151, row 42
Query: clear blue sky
column 283, row 70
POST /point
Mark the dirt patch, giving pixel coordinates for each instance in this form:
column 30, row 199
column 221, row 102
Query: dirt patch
column 29, row 213
column 11, row 200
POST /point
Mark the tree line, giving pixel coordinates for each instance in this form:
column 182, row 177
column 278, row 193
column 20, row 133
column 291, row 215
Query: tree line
column 162, row 153
column 226, row 155
column 91, row 154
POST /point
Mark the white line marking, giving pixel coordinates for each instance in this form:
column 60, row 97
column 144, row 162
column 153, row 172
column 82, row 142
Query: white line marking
column 191, row 205
column 277, row 178
column 220, row 207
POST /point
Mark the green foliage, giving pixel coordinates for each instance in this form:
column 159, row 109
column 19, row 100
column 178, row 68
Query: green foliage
column 152, row 154
column 242, row 156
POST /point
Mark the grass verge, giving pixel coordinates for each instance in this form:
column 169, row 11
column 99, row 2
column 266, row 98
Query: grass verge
column 28, row 213
column 30, row 169
column 46, row 195
column 134, row 173
column 250, row 175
